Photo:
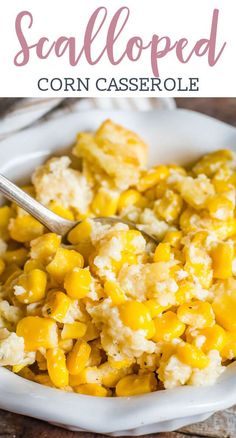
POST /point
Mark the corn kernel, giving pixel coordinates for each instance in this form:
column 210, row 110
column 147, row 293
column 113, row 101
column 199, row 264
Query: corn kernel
column 63, row 262
column 167, row 350
column 136, row 384
column 215, row 338
column 80, row 232
column 44, row 247
column 56, row 306
column 137, row 316
column 87, row 375
column 73, row 331
column 162, row 253
column 152, row 177
column 78, row 357
column 224, row 307
column 105, row 203
column 37, row 332
column 111, row 376
column 80, row 236
column 129, row 198
column 222, row 258
column 17, row 256
column 221, row 186
column 173, row 238
column 61, row 211
column 30, row 265
column 120, row 364
column 168, row 327
column 78, row 283
column 229, row 349
column 85, row 249
column 91, row 389
column 5, row 214
column 221, row 208
column 32, row 287
column 192, row 356
column 25, row 228
column 114, row 291
column 198, row 314
column 56, row 364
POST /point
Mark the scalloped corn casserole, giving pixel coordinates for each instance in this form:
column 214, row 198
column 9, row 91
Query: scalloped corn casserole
column 110, row 314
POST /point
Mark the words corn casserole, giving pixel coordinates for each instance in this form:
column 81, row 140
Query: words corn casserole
column 110, row 314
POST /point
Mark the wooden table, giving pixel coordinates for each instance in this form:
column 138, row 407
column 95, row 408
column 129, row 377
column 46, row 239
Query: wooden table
column 220, row 425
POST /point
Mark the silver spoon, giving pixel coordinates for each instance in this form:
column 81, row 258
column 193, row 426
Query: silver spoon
column 50, row 220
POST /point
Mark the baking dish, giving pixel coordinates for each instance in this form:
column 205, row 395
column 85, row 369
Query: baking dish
column 174, row 136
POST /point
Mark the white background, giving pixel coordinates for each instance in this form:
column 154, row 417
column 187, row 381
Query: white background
column 177, row 19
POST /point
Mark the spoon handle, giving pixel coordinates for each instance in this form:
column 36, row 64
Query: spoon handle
column 49, row 219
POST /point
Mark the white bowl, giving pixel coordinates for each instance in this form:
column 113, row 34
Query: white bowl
column 174, row 136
